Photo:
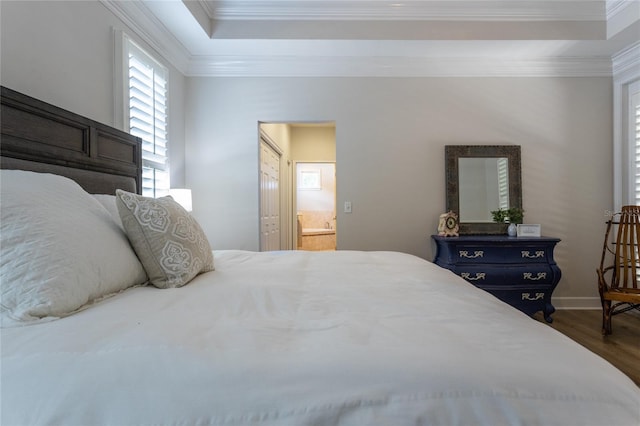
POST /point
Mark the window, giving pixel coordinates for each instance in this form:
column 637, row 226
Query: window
column 626, row 129
column 634, row 137
column 309, row 179
column 146, row 102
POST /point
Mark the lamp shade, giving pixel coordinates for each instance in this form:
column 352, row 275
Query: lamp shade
column 182, row 197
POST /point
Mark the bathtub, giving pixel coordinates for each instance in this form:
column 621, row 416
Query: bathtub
column 318, row 239
column 317, row 231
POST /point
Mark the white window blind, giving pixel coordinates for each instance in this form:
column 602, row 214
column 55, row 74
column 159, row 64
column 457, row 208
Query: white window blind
column 634, row 132
column 503, row 183
column 147, row 95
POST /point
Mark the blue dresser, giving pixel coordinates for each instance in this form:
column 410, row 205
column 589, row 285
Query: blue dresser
column 520, row 271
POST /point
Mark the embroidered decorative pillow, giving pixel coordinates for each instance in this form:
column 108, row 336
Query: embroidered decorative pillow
column 169, row 242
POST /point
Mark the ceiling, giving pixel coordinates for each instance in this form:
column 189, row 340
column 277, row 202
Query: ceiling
column 389, row 38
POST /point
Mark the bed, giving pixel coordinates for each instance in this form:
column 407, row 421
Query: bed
column 271, row 338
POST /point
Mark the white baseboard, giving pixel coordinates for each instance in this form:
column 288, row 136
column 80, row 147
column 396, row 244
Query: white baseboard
column 576, row 303
column 584, row 303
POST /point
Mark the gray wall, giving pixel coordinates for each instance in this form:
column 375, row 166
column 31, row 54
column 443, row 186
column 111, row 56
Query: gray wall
column 390, row 137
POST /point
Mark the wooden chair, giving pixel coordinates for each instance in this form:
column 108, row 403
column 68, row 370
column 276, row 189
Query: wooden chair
column 621, row 264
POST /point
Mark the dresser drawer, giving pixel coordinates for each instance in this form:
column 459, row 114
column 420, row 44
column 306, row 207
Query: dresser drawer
column 528, row 300
column 508, row 275
column 500, row 254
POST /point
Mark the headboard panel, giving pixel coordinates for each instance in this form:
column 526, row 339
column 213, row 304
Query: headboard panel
column 40, row 137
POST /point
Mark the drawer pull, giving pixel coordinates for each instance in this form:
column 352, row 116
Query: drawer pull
column 527, row 296
column 477, row 253
column 527, row 255
column 478, row 276
column 529, row 276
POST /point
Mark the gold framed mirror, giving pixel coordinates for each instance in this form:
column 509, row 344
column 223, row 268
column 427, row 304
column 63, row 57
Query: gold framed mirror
column 480, row 179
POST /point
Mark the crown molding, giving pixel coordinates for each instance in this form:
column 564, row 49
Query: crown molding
column 615, row 7
column 252, row 66
column 149, row 29
column 475, row 10
column 208, row 6
column 621, row 14
column 199, row 10
column 627, row 61
column 138, row 17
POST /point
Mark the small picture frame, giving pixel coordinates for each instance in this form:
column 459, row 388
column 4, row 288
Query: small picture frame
column 528, row 230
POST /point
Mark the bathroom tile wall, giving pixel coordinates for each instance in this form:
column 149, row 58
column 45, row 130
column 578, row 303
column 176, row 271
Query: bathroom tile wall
column 317, row 219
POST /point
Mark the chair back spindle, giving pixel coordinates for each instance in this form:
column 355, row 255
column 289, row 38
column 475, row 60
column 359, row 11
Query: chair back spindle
column 626, row 249
column 622, row 286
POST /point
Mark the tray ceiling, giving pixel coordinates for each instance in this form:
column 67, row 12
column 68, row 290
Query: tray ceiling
column 388, row 38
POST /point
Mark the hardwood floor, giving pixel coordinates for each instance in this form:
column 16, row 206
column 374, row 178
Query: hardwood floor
column 621, row 348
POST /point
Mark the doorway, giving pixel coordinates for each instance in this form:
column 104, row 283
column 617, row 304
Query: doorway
column 316, row 206
column 294, row 142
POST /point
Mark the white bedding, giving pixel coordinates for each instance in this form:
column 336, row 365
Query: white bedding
column 294, row 338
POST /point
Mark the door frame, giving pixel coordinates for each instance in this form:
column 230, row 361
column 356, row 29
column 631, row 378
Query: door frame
column 288, row 222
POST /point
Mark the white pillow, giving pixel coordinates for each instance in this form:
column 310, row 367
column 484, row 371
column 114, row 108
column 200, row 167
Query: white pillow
column 59, row 248
column 109, row 203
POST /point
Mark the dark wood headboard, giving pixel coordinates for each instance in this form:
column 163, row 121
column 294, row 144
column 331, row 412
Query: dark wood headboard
column 40, row 137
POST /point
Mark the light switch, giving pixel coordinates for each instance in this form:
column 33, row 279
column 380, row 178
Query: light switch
column 347, row 206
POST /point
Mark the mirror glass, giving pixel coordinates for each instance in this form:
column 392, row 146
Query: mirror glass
column 484, row 186
column 482, row 178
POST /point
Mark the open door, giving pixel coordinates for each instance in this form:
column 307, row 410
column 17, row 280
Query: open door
column 269, row 197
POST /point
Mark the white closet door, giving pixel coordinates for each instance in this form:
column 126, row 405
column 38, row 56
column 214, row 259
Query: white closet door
column 269, row 198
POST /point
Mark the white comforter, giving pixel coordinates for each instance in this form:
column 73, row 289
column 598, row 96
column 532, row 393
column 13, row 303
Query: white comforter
column 293, row 338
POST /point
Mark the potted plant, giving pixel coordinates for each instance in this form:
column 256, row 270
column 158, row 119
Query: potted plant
column 512, row 216
column 499, row 215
